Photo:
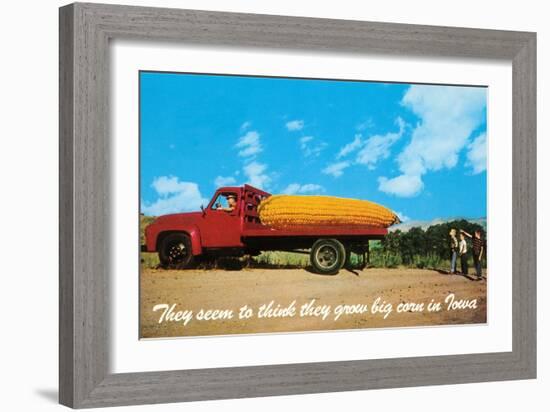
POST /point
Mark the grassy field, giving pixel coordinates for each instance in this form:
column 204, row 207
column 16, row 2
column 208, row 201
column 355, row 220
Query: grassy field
column 265, row 259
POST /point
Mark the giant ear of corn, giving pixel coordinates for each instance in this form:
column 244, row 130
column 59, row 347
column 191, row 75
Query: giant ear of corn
column 294, row 211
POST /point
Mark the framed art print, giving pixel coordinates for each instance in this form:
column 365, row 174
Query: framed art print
column 244, row 196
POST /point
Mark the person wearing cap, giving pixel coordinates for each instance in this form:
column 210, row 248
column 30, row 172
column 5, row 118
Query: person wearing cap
column 478, row 250
column 231, row 203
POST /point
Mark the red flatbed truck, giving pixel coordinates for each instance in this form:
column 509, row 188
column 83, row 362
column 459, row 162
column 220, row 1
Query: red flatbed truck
column 180, row 238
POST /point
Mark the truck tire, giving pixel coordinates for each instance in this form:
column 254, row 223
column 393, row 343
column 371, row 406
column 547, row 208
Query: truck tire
column 175, row 251
column 327, row 256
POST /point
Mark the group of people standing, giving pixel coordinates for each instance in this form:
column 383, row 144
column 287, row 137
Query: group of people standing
column 459, row 248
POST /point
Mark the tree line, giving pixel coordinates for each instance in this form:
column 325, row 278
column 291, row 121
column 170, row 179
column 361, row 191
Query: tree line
column 418, row 247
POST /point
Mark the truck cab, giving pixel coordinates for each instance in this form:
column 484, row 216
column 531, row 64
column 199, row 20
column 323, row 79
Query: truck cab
column 217, row 227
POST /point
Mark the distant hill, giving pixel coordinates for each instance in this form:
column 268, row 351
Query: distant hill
column 424, row 224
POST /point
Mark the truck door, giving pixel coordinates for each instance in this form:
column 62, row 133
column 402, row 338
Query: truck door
column 221, row 222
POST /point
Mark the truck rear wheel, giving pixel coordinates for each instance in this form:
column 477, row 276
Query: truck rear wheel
column 327, row 256
column 175, row 251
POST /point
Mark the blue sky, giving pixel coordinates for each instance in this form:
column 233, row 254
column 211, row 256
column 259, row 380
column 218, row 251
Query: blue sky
column 418, row 149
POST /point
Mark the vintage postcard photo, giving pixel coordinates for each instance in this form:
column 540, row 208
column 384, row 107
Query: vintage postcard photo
column 277, row 205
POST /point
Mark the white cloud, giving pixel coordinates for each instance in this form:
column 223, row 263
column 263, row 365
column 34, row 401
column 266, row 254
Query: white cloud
column 174, row 196
column 370, row 150
column 249, row 144
column 245, row 126
column 296, row 188
column 378, row 147
column 477, row 154
column 355, row 144
column 295, row 125
column 448, row 116
column 166, row 185
column 224, row 181
column 364, row 125
column 256, row 175
column 402, row 185
column 404, row 218
column 336, row 169
column 309, row 148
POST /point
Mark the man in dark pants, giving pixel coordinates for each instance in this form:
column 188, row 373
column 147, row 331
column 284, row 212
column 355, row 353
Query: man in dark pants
column 478, row 250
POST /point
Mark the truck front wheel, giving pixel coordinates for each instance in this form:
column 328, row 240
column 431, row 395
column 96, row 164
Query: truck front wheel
column 175, row 251
column 327, row 256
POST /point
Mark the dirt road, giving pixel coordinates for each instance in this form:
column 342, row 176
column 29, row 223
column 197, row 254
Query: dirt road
column 193, row 290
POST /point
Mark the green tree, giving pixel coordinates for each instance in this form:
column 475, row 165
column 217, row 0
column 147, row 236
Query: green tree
column 419, row 247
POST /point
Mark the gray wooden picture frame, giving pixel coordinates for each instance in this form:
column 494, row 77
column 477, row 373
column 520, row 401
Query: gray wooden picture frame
column 85, row 31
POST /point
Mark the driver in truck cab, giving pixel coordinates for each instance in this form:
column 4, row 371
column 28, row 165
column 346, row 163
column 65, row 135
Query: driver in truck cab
column 231, row 203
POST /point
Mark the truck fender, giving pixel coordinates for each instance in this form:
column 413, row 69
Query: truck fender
column 192, row 231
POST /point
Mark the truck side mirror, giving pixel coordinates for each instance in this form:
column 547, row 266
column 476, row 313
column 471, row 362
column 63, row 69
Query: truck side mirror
column 203, row 211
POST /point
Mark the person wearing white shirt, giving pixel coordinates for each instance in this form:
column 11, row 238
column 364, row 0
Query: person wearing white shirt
column 454, row 250
column 463, row 252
